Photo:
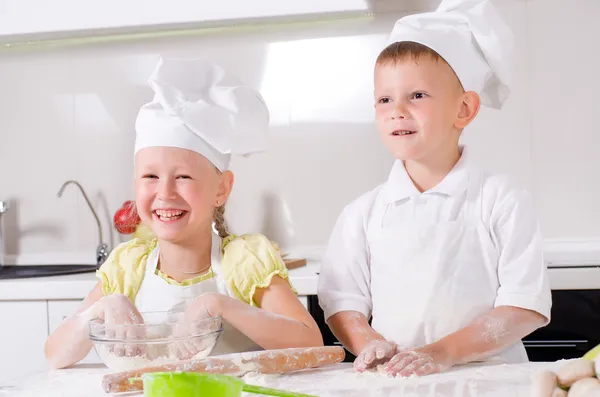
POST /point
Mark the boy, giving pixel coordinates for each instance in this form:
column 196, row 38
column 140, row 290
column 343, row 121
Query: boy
column 447, row 260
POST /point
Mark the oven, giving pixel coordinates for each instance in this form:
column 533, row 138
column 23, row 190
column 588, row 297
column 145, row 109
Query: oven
column 574, row 328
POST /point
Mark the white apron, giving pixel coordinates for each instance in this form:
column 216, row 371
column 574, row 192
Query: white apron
column 430, row 280
column 156, row 295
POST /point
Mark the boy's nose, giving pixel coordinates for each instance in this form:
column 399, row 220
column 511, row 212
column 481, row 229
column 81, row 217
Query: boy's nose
column 398, row 112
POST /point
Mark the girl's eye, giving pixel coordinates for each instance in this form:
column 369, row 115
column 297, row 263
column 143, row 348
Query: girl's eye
column 184, row 177
column 384, row 100
column 419, row 95
column 150, row 176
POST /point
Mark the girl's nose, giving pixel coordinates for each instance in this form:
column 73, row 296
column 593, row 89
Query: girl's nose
column 166, row 190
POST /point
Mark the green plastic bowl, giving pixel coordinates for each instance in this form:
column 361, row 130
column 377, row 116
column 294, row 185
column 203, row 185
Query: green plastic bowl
column 191, row 384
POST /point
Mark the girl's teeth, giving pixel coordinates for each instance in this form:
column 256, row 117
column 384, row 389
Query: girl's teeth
column 403, row 132
column 166, row 215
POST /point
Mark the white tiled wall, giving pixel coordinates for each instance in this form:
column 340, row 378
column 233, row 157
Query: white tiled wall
column 68, row 113
column 565, row 110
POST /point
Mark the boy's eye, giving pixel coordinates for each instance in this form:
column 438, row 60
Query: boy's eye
column 184, row 177
column 384, row 100
column 419, row 95
column 150, row 176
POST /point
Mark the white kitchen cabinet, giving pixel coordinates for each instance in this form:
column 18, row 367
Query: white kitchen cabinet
column 23, row 333
column 16, row 19
column 58, row 311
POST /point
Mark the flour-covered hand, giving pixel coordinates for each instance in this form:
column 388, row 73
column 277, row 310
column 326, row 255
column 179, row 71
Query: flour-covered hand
column 123, row 322
column 375, row 353
column 423, row 361
column 191, row 327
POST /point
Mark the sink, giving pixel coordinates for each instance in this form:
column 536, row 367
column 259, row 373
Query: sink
column 27, row 271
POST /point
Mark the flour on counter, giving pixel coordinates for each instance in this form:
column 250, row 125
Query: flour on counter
column 338, row 380
column 481, row 380
column 82, row 380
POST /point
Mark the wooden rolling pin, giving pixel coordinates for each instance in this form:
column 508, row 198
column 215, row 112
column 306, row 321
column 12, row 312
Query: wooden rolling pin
column 264, row 362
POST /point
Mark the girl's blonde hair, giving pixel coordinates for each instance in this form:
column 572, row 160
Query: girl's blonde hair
column 219, row 221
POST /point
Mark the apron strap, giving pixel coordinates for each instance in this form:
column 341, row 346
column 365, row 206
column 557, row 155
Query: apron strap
column 152, row 261
column 215, row 254
column 216, row 257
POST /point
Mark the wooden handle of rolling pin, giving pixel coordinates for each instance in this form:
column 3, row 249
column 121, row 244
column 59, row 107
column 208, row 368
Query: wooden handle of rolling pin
column 264, row 362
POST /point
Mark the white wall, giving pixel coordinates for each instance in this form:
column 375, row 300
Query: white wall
column 68, row 113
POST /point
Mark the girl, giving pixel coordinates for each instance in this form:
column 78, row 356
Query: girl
column 184, row 140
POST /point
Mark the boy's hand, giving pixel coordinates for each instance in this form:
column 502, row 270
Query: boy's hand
column 426, row 360
column 375, row 353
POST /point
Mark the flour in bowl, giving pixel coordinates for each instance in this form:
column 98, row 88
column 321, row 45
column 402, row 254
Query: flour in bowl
column 154, row 355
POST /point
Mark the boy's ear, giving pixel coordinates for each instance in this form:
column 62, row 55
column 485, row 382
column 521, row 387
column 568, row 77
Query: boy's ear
column 469, row 107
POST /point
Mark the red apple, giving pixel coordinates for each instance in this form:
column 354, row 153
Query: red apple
column 126, row 218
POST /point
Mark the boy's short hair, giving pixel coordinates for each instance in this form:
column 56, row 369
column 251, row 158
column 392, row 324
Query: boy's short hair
column 409, row 51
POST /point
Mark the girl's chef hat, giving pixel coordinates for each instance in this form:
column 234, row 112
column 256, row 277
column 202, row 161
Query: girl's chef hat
column 472, row 37
column 198, row 106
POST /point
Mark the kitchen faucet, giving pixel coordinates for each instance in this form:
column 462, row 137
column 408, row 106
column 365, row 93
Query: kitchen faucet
column 102, row 249
column 3, row 210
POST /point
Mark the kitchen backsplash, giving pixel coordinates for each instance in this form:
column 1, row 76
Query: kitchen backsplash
column 68, row 112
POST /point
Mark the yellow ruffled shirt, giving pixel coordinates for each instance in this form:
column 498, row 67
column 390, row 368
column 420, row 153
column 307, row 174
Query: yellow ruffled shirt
column 248, row 262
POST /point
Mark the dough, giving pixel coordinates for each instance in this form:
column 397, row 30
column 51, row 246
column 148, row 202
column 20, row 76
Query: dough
column 582, row 387
column 574, row 371
column 543, row 384
column 559, row 393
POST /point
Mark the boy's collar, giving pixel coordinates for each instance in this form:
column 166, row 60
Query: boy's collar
column 399, row 186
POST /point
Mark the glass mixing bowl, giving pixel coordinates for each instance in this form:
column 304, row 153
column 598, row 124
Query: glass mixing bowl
column 163, row 338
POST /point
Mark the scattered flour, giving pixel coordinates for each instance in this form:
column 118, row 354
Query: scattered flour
column 476, row 380
column 335, row 381
column 79, row 381
column 495, row 329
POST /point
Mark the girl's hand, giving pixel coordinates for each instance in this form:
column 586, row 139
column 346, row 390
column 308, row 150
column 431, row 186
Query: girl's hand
column 204, row 307
column 119, row 315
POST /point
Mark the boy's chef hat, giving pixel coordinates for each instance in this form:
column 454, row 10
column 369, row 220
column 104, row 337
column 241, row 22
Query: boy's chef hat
column 472, row 37
column 198, row 106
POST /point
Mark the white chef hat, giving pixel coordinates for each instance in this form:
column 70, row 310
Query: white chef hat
column 198, row 106
column 472, row 38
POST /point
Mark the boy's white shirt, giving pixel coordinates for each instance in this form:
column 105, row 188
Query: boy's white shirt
column 357, row 276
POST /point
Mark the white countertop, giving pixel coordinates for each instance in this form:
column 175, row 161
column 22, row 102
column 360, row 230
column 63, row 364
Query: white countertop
column 77, row 286
column 304, row 279
column 334, row 381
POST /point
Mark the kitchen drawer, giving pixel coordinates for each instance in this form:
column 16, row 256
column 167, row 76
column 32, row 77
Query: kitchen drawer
column 58, row 311
column 23, row 334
